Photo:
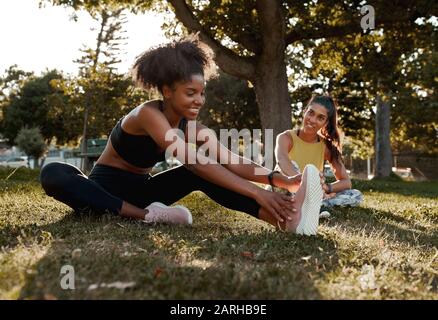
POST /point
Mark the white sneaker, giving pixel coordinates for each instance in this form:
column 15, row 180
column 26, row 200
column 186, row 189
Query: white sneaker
column 311, row 194
column 324, row 215
column 160, row 213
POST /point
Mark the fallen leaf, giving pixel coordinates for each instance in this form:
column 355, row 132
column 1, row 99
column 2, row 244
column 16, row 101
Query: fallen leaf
column 158, row 272
column 49, row 296
column 76, row 253
column 247, row 254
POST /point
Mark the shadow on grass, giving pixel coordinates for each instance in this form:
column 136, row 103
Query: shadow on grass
column 164, row 262
column 394, row 226
column 216, row 258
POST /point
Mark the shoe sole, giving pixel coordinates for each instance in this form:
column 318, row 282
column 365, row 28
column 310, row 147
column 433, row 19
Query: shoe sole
column 162, row 205
column 312, row 202
column 324, row 214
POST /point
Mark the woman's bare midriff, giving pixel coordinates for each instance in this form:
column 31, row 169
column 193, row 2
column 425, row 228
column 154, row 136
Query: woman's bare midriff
column 109, row 157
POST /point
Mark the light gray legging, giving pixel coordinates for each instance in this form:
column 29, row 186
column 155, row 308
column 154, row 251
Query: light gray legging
column 350, row 197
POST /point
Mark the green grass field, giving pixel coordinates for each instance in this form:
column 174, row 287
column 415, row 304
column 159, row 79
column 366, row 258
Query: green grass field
column 385, row 249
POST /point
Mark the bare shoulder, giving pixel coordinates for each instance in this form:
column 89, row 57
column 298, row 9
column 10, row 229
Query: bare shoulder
column 284, row 139
column 140, row 118
column 151, row 107
column 285, row 134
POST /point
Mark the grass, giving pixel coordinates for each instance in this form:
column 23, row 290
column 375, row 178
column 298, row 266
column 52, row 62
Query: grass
column 385, row 249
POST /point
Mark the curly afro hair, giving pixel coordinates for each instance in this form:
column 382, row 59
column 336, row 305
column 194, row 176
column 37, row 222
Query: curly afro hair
column 173, row 62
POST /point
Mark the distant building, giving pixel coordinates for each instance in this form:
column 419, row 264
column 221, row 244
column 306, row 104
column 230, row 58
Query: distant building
column 66, row 155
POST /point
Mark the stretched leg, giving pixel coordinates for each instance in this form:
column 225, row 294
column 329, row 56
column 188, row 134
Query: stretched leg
column 307, row 202
column 267, row 217
column 68, row 184
column 171, row 185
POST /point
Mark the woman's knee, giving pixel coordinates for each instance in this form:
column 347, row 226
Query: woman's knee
column 184, row 173
column 357, row 195
column 54, row 175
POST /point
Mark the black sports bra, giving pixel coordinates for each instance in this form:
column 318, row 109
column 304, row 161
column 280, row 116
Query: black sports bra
column 139, row 150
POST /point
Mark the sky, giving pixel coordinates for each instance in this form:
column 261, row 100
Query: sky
column 36, row 39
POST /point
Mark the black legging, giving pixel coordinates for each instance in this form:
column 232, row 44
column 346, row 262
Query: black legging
column 107, row 187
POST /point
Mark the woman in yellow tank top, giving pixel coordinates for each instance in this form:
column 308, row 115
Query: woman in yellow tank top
column 316, row 141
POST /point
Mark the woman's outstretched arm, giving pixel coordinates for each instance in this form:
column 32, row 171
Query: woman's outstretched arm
column 283, row 146
column 240, row 166
column 157, row 126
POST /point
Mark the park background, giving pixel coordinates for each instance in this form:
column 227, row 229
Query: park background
column 272, row 56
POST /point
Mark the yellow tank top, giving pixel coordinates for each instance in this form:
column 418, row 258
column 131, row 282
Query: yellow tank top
column 304, row 153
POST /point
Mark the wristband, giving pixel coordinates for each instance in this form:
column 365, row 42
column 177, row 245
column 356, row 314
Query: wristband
column 330, row 188
column 271, row 176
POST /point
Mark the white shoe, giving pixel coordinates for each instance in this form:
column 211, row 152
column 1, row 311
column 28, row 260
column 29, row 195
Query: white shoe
column 160, row 213
column 309, row 221
column 324, row 215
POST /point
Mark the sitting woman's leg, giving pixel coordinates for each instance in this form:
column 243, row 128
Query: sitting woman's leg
column 172, row 185
column 102, row 192
column 68, row 184
column 350, row 197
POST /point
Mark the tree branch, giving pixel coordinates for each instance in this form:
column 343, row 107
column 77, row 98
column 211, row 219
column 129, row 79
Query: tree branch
column 347, row 29
column 247, row 41
column 227, row 60
column 272, row 25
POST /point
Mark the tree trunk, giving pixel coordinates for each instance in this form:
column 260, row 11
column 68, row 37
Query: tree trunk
column 271, row 81
column 85, row 161
column 383, row 152
column 274, row 104
column 266, row 69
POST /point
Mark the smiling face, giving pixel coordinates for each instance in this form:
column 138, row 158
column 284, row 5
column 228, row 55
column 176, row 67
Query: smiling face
column 187, row 98
column 315, row 117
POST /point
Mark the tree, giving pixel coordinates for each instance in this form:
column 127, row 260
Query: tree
column 97, row 78
column 250, row 38
column 31, row 141
column 415, row 125
column 230, row 103
column 38, row 101
column 10, row 84
column 362, row 61
column 373, row 77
